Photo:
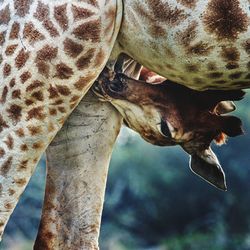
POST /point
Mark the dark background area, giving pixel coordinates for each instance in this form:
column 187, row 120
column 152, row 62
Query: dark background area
column 153, row 201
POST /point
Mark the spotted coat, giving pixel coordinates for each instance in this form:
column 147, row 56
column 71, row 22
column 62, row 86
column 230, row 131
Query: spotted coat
column 203, row 44
column 50, row 53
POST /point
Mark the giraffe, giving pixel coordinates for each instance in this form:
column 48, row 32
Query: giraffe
column 50, row 54
column 52, row 51
column 202, row 44
column 156, row 113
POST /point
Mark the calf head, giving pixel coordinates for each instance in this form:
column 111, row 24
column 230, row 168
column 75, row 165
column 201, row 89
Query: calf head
column 169, row 114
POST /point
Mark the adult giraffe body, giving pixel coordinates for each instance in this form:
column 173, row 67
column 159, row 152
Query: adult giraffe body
column 50, row 54
column 52, row 51
column 203, row 44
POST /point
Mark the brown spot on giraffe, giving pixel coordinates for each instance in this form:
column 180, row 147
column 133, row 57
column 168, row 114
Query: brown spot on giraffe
column 73, row 105
column 15, row 113
column 82, row 82
column 10, row 49
column 43, row 242
column 51, row 127
column 75, row 98
column 92, row 2
column 11, row 191
column 81, row 13
column 34, row 85
column 5, row 15
column 21, row 58
column 211, row 66
column 188, row 3
column 49, row 26
column 215, row 75
column 22, row 7
column 36, row 113
column 12, row 82
column 63, row 90
column 192, row 68
column 5, row 168
column 23, row 165
column 58, row 102
column 24, row 147
column 34, row 130
column 37, row 145
column 29, row 102
column 2, row 38
column 84, row 61
column 52, row 112
column 47, row 53
column 60, row 14
column 9, row 142
column 4, row 94
column 25, row 76
column 62, row 109
column 232, row 65
column 225, row 19
column 53, row 92
column 38, row 95
column 63, row 71
column 72, row 48
column 199, row 49
column 220, row 81
column 42, row 11
column 198, row 80
column 89, row 31
column 230, row 54
column 246, row 46
column 2, row 152
column 20, row 132
column 164, row 13
column 32, row 34
column 235, row 75
column 8, row 206
column 14, row 32
column 43, row 68
column 16, row 94
column 156, row 31
column 6, row 70
column 20, row 182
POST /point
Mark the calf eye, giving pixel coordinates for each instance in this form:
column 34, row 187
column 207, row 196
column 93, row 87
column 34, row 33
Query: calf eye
column 165, row 129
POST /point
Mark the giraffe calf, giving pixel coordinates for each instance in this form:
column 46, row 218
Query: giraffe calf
column 169, row 114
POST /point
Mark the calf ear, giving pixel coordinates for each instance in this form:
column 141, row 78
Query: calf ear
column 225, row 107
column 206, row 165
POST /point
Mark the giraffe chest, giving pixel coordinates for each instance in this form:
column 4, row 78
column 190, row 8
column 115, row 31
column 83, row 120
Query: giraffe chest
column 200, row 43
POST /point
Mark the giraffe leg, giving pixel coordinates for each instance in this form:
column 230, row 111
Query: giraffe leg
column 50, row 54
column 77, row 162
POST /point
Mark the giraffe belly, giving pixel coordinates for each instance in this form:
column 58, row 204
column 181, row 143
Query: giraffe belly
column 203, row 44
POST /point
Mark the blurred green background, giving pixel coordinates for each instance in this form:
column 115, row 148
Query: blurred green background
column 154, row 202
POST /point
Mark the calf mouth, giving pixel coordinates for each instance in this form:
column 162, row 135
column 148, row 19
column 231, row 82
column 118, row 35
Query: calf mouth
column 110, row 89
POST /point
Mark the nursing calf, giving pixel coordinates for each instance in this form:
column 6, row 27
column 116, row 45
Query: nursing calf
column 167, row 114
